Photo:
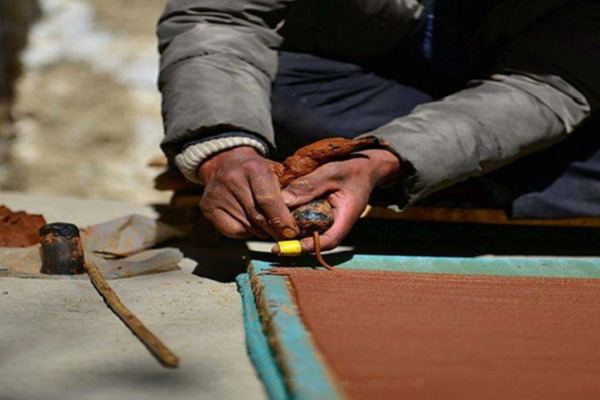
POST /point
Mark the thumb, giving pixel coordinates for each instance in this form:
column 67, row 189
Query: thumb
column 306, row 189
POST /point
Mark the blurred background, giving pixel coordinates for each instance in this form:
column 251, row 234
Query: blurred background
column 79, row 107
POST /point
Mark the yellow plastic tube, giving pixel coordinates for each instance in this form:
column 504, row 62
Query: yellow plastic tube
column 290, row 248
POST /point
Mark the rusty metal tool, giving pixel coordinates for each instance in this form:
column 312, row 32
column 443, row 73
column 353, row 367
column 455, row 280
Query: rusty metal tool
column 61, row 250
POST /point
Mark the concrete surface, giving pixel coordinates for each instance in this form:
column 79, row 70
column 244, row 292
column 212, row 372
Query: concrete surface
column 59, row 341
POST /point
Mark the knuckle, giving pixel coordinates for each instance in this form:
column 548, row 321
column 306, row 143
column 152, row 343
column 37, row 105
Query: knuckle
column 335, row 172
column 276, row 222
column 234, row 179
column 253, row 165
column 329, row 242
column 235, row 233
column 307, row 246
column 204, row 201
column 266, row 199
column 259, row 219
column 335, row 243
column 301, row 185
column 206, row 208
column 255, row 217
column 238, row 235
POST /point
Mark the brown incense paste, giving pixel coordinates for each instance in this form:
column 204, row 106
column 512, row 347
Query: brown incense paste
column 431, row 336
column 19, row 229
column 308, row 158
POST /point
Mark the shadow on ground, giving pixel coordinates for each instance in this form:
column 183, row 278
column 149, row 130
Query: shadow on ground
column 222, row 259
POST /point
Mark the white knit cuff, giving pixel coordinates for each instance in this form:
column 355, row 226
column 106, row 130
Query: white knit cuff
column 189, row 160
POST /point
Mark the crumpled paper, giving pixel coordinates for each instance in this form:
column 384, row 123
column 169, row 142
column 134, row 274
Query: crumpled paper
column 119, row 248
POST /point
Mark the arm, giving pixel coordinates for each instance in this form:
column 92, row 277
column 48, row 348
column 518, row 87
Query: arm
column 218, row 58
column 545, row 85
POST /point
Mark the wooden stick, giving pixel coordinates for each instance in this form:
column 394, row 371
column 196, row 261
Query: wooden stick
column 152, row 343
column 316, row 239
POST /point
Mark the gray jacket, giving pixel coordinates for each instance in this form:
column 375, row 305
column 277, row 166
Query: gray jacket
column 534, row 75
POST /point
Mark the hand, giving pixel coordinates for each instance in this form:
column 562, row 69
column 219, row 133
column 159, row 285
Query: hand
column 347, row 186
column 242, row 196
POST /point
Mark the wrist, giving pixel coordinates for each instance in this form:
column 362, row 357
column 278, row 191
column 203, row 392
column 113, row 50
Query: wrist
column 386, row 166
column 195, row 154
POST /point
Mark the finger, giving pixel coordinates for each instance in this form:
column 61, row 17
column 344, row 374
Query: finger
column 307, row 245
column 261, row 233
column 255, row 230
column 267, row 197
column 230, row 206
column 226, row 224
column 258, row 224
column 312, row 186
column 345, row 213
column 328, row 241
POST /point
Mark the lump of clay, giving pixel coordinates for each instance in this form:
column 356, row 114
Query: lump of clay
column 308, row 158
column 315, row 216
column 19, row 229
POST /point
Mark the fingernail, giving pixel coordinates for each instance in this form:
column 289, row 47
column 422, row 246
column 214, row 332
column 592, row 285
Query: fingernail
column 289, row 233
column 288, row 197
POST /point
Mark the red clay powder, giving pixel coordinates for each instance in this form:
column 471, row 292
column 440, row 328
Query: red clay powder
column 388, row 335
column 19, row 229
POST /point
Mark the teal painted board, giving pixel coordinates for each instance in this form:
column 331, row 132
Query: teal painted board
column 503, row 266
column 306, row 376
column 256, row 342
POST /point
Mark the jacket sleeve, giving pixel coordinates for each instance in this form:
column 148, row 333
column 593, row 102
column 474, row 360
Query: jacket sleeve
column 544, row 86
column 218, row 59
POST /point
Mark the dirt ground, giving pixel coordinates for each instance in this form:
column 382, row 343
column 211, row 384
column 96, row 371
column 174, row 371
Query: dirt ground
column 87, row 108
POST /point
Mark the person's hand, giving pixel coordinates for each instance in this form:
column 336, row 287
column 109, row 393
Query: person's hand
column 242, row 196
column 347, row 186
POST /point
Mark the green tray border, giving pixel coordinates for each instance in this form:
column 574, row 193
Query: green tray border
column 290, row 367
